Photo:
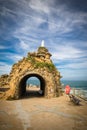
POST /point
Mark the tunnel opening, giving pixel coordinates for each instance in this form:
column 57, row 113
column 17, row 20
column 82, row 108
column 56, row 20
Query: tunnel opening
column 33, row 87
column 28, row 87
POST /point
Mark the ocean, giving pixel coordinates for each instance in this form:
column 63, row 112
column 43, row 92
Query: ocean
column 75, row 84
column 79, row 86
column 33, row 81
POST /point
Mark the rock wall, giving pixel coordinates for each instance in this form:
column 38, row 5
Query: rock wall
column 4, row 80
column 36, row 64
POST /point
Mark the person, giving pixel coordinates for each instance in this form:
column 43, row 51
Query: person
column 67, row 89
column 40, row 92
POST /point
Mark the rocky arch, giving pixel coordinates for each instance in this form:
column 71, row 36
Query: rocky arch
column 37, row 64
column 47, row 80
column 22, row 84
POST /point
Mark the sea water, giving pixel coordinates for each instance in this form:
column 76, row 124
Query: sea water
column 79, row 86
column 76, row 84
column 33, row 81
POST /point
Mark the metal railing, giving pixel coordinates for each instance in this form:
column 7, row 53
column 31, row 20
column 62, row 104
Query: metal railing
column 82, row 93
column 79, row 92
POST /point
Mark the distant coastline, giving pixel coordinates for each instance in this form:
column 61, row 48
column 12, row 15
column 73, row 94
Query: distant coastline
column 72, row 83
column 80, row 87
column 75, row 83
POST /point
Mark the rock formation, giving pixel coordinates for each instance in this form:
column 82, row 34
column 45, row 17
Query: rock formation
column 37, row 64
column 4, row 80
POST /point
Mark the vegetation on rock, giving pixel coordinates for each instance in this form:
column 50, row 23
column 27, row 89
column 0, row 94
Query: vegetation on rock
column 50, row 66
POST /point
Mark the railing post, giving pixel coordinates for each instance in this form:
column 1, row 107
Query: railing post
column 73, row 91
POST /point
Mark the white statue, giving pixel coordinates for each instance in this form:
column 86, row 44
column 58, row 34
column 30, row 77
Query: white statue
column 42, row 43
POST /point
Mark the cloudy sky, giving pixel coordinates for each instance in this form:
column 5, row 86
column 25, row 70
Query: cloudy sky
column 62, row 24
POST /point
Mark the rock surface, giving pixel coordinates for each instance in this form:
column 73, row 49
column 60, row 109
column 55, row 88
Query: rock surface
column 4, row 80
column 37, row 64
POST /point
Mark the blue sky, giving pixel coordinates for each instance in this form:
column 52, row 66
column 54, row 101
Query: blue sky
column 62, row 24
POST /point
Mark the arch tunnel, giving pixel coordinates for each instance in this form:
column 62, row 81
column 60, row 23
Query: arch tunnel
column 22, row 85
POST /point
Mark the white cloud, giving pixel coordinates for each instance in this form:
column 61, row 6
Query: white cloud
column 79, row 65
column 70, row 74
column 31, row 17
column 65, row 51
column 24, row 45
column 39, row 6
column 60, row 20
column 4, row 68
column 2, row 47
column 14, row 57
column 69, row 56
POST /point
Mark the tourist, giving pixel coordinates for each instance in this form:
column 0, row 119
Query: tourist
column 67, row 89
